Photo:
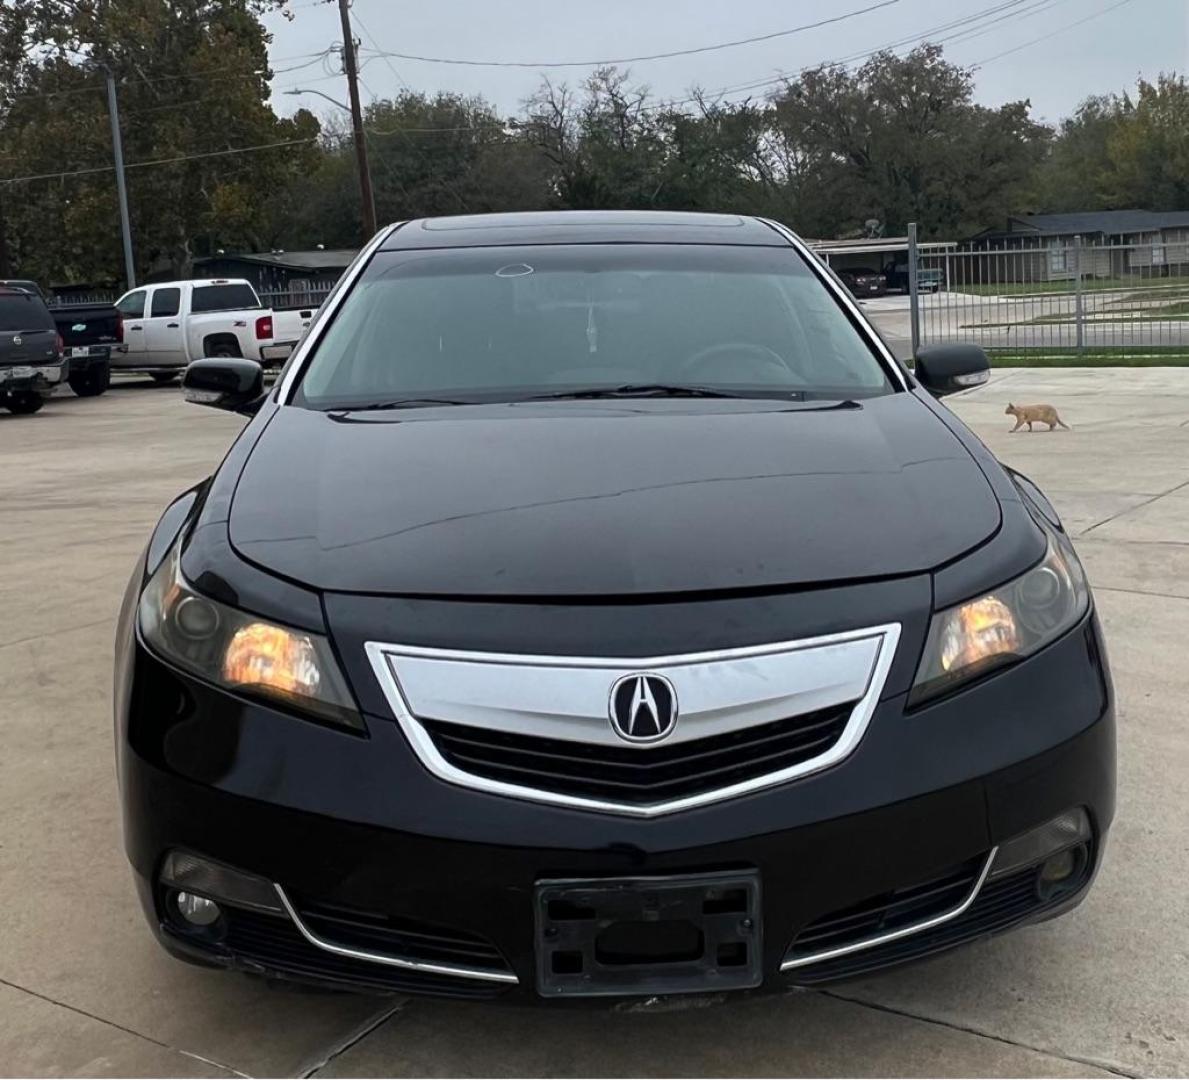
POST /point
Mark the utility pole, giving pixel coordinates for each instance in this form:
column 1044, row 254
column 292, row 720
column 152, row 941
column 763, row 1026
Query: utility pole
column 117, row 149
column 365, row 176
column 914, row 292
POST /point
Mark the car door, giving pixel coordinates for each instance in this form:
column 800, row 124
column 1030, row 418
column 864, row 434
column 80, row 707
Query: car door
column 165, row 343
column 132, row 309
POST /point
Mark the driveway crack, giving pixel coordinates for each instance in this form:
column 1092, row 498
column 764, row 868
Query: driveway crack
column 1110, row 1067
column 121, row 1027
column 1132, row 509
column 350, row 1039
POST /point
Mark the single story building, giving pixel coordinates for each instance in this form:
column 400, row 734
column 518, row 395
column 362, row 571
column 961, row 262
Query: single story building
column 283, row 278
column 1090, row 244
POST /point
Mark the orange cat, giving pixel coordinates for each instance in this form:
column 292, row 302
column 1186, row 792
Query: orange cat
column 1030, row 414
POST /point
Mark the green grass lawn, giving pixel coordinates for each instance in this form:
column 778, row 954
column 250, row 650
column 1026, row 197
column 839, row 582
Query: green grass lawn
column 1040, row 288
column 1140, row 356
column 1178, row 311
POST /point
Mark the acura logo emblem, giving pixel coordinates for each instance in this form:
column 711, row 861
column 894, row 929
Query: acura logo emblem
column 643, row 708
column 16, row 339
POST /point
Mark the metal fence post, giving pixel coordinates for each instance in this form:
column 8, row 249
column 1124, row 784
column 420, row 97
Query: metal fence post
column 1079, row 314
column 914, row 302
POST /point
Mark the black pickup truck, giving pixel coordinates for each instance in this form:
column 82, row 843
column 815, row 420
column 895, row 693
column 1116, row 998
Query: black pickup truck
column 88, row 333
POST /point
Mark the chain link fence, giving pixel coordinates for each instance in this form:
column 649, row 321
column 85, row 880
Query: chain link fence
column 1082, row 302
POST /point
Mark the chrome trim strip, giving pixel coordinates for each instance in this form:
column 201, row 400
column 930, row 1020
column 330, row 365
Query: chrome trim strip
column 429, row 755
column 844, row 298
column 895, row 935
column 423, row 966
column 297, row 358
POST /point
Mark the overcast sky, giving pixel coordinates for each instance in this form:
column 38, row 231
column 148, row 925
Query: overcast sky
column 1104, row 53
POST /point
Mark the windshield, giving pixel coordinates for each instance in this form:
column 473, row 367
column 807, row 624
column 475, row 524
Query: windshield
column 505, row 324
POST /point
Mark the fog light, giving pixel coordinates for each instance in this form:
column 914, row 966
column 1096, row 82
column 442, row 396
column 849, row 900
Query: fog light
column 1064, row 832
column 185, row 872
column 197, row 910
column 1059, row 867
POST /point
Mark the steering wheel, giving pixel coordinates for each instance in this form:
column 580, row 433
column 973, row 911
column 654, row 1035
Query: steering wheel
column 739, row 362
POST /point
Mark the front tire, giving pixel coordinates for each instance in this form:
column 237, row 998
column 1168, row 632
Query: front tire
column 92, row 382
column 24, row 403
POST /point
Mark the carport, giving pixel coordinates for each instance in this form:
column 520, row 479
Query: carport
column 878, row 252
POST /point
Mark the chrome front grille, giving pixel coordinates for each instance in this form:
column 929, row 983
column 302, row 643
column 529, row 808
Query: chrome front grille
column 539, row 727
column 640, row 775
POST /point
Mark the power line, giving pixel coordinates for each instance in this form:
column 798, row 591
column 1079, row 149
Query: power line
column 639, row 59
column 1054, row 33
column 973, row 24
column 158, row 161
column 382, row 55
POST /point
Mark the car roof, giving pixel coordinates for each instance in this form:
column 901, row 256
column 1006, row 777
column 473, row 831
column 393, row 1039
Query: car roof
column 198, row 283
column 583, row 227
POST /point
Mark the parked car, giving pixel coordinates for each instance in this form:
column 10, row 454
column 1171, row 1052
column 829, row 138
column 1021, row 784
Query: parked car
column 595, row 606
column 31, row 363
column 169, row 324
column 863, row 281
column 928, row 278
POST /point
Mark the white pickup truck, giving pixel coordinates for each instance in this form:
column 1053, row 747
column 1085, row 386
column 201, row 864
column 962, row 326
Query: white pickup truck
column 167, row 325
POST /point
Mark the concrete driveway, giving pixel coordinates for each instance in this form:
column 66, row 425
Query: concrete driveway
column 84, row 990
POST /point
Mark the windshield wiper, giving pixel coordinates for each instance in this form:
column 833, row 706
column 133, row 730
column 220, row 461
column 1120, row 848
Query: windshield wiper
column 399, row 403
column 643, row 390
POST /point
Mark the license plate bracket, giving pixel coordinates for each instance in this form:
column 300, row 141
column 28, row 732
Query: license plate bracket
column 658, row 935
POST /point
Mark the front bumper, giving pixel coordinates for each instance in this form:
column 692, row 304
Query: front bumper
column 33, row 378
column 368, row 845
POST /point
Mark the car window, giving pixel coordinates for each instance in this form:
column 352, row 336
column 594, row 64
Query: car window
column 165, row 302
column 24, row 311
column 508, row 323
column 132, row 305
column 223, row 298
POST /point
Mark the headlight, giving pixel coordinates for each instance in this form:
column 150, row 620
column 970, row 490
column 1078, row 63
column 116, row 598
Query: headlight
column 239, row 651
column 1012, row 622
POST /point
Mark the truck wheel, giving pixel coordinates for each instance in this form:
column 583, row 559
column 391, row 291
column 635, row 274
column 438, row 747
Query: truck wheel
column 24, row 403
column 163, row 377
column 92, row 382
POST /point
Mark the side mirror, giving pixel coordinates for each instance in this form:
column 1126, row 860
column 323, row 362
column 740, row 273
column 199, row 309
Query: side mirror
column 225, row 382
column 946, row 369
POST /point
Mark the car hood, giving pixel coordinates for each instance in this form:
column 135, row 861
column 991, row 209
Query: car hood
column 575, row 499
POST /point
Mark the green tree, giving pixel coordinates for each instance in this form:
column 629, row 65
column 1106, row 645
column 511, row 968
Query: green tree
column 1147, row 149
column 1121, row 151
column 611, row 145
column 192, row 78
column 429, row 154
column 1073, row 175
column 901, row 140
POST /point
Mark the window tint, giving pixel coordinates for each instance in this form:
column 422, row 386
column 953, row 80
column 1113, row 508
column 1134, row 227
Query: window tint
column 165, row 302
column 132, row 306
column 506, row 323
column 24, row 311
column 223, row 298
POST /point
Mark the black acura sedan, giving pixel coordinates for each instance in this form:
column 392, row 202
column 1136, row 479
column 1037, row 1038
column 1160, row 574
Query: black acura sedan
column 594, row 606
